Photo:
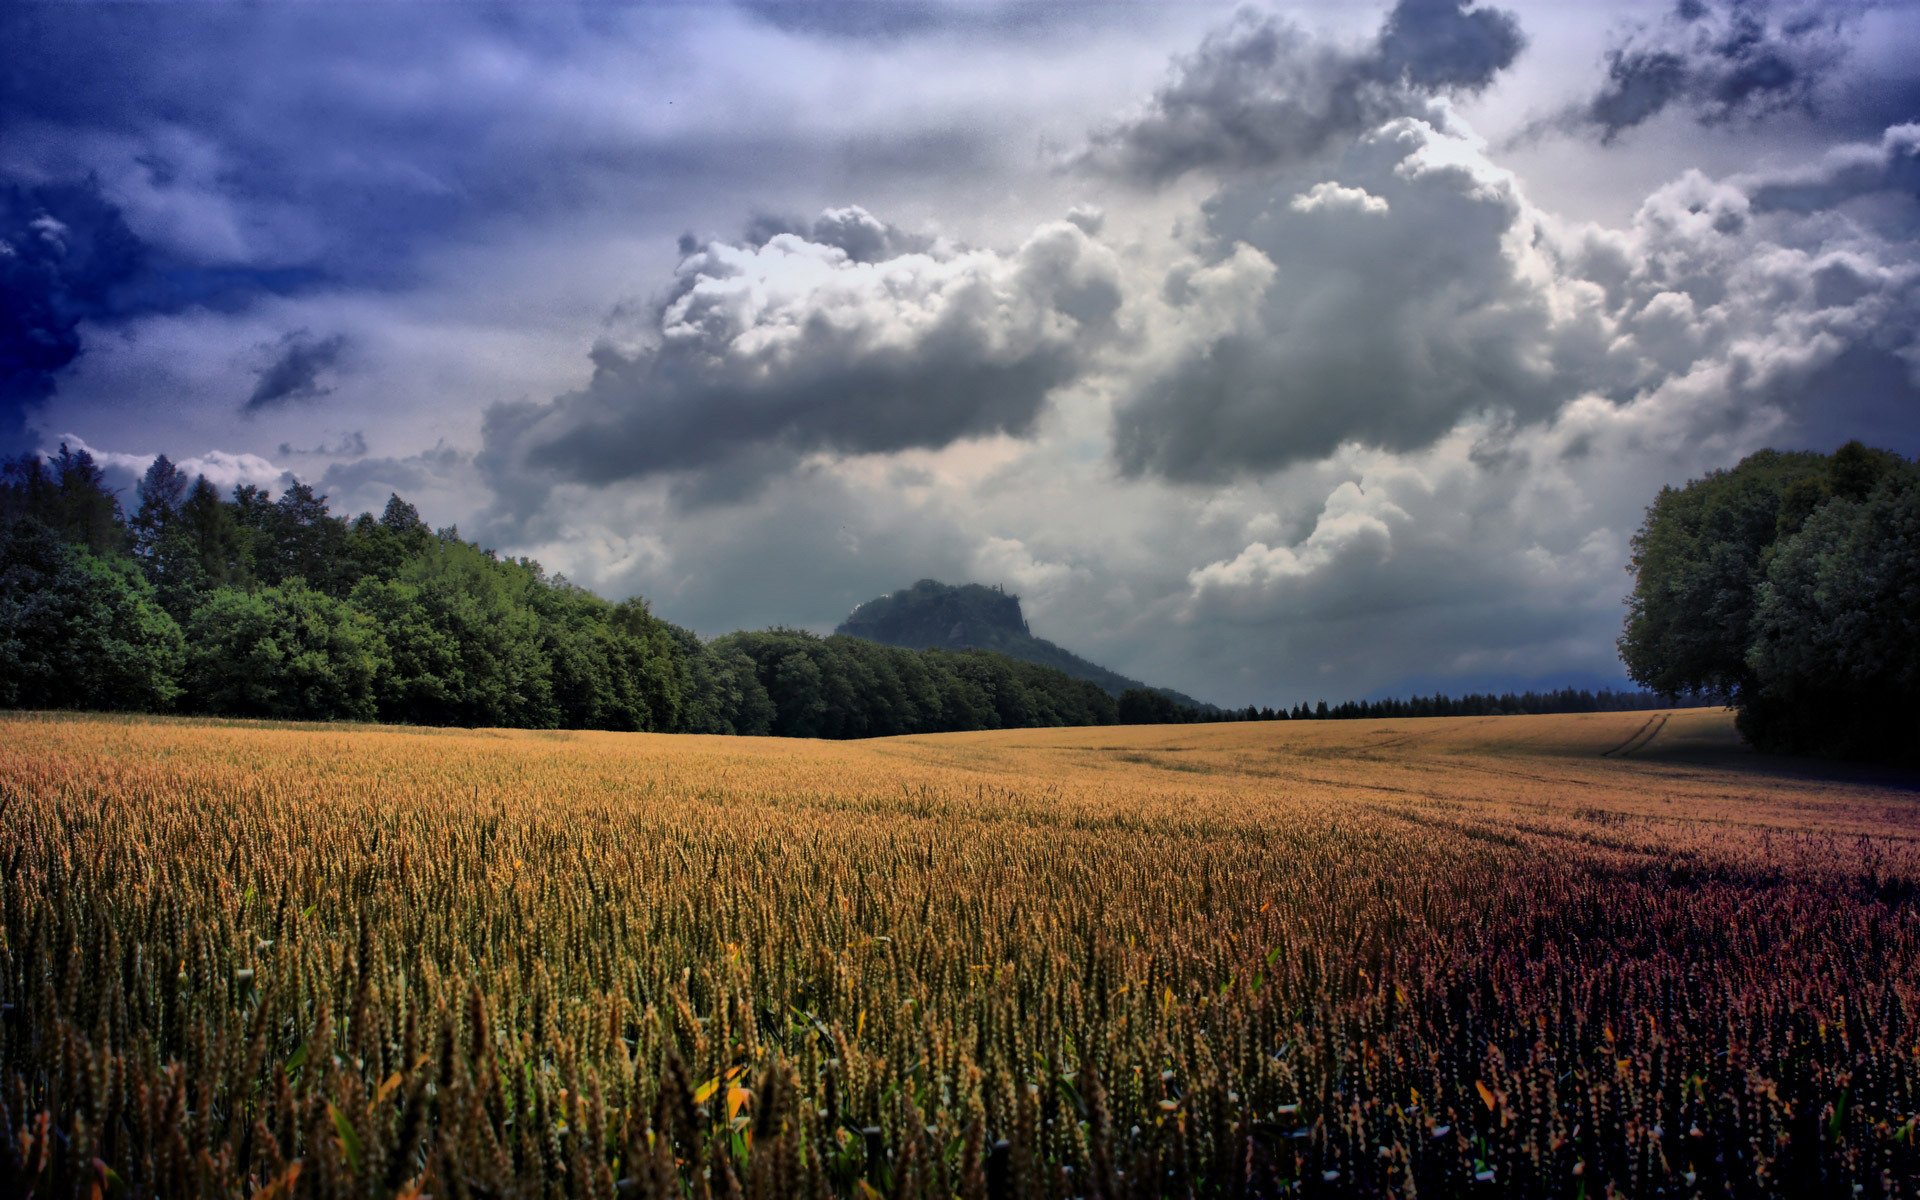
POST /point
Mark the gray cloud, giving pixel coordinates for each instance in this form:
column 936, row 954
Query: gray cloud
column 1427, row 413
column 1380, row 306
column 293, row 373
column 764, row 351
column 1419, row 287
column 1262, row 92
column 1845, row 173
column 222, row 468
column 352, row 444
column 830, row 545
column 364, row 483
column 1446, row 45
column 855, row 20
column 1812, row 316
column 890, row 20
column 1430, row 570
column 1722, row 61
column 65, row 251
column 861, row 236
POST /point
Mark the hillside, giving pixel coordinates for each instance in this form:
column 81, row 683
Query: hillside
column 971, row 616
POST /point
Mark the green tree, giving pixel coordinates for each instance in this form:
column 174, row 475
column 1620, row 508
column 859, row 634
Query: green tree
column 1786, row 587
column 879, row 675
column 27, row 491
column 85, row 511
column 465, row 641
column 921, row 707
column 1013, row 707
column 643, row 649
column 204, row 548
column 379, row 548
column 609, row 662
column 796, row 673
column 309, row 543
column 287, row 652
column 1698, row 560
column 162, row 489
column 78, row 630
column 964, row 703
column 719, row 687
column 1143, row 706
column 184, row 538
column 1835, row 657
column 797, row 687
column 424, row 678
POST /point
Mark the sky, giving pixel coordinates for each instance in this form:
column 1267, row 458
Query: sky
column 1269, row 352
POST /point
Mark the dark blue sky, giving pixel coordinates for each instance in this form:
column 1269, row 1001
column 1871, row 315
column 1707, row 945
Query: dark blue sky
column 1273, row 353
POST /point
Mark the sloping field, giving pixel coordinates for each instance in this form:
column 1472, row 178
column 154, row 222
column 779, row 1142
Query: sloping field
column 1528, row 956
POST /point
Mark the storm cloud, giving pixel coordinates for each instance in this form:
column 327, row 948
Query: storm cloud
column 1845, row 173
column 65, row 250
column 893, row 20
column 1418, row 287
column 1720, row 320
column 293, row 372
column 1393, row 300
column 1313, row 392
column 852, row 230
column 783, row 344
column 1720, row 60
column 350, row 445
column 224, row 469
column 428, row 478
column 1262, row 92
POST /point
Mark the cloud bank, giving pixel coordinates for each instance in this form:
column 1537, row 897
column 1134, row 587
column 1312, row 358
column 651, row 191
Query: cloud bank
column 1312, row 392
column 1262, row 92
column 1419, row 287
column 848, row 338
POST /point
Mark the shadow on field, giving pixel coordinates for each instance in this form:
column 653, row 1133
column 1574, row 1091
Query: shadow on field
column 1721, row 749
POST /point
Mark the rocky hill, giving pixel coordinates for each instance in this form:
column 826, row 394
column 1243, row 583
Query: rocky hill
column 972, row 616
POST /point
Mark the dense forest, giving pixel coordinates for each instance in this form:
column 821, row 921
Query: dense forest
column 255, row 606
column 251, row 605
column 1789, row 588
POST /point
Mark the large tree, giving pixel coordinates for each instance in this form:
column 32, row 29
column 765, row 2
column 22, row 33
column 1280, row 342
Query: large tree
column 466, row 640
column 1698, row 560
column 162, row 490
column 78, row 630
column 287, row 651
column 1835, row 658
column 1781, row 587
column 67, row 492
column 720, row 690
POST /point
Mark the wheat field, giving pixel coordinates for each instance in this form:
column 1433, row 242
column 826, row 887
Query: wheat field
column 1583, row 956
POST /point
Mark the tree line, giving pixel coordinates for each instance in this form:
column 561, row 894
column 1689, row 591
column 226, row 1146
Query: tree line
column 1789, row 588
column 1143, row 707
column 252, row 605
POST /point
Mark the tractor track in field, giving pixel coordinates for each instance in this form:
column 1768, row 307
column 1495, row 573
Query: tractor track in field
column 1640, row 738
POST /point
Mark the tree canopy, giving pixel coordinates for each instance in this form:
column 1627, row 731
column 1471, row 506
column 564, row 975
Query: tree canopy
column 272, row 606
column 79, row 630
column 1788, row 587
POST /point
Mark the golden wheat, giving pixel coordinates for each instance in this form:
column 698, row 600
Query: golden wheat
column 1579, row 956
